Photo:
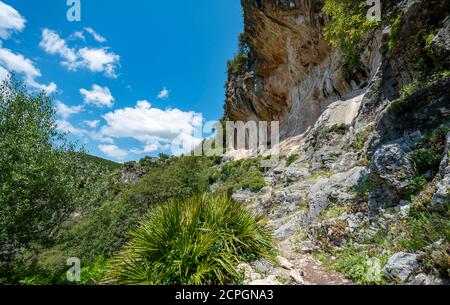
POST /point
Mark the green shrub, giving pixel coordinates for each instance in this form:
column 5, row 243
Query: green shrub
column 357, row 264
column 403, row 104
column 291, row 159
column 426, row 159
column 361, row 137
column 348, row 29
column 239, row 64
column 425, row 228
column 95, row 273
column 105, row 230
column 394, row 35
column 417, row 184
column 243, row 174
column 198, row 241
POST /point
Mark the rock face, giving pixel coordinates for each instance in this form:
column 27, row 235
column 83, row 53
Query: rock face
column 294, row 74
column 401, row 267
column 368, row 153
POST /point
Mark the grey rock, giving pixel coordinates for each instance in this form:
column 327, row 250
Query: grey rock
column 284, row 263
column 306, row 246
column 441, row 42
column 243, row 196
column 271, row 280
column 400, row 267
column 296, row 276
column 442, row 195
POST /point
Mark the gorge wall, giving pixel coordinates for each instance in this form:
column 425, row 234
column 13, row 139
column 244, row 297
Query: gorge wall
column 293, row 74
column 365, row 155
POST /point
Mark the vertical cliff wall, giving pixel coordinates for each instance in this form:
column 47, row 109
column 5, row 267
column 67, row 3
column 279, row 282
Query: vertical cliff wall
column 293, row 74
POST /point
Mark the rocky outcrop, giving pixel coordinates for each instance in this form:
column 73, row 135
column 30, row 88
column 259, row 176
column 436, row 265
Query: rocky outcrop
column 293, row 74
column 370, row 150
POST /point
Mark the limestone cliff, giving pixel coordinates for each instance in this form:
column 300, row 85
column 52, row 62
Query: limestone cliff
column 369, row 167
column 293, row 74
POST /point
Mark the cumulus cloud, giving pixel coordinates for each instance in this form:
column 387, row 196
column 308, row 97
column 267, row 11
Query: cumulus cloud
column 14, row 62
column 67, row 127
column 95, row 35
column 3, row 74
column 100, row 60
column 164, row 94
column 10, row 21
column 99, row 96
column 113, row 151
column 65, row 111
column 153, row 127
column 64, row 125
column 53, row 44
column 92, row 123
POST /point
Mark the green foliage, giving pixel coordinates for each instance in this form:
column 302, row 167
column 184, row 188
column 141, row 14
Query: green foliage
column 403, row 104
column 426, row 159
column 348, row 29
column 357, row 264
column 361, row 137
column 38, row 175
column 417, row 184
column 428, row 61
column 95, row 273
column 339, row 129
column 394, row 35
column 291, row 159
column 198, row 241
column 362, row 191
column 236, row 175
column 104, row 231
column 239, row 64
column 425, row 228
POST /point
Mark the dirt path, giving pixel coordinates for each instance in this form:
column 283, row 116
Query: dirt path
column 311, row 270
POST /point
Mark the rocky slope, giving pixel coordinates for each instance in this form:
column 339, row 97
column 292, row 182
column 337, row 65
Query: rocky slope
column 371, row 151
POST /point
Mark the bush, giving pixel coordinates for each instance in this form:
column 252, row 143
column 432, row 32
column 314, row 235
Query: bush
column 239, row 64
column 243, row 174
column 357, row 264
column 394, row 35
column 105, row 230
column 348, row 29
column 291, row 159
column 425, row 228
column 39, row 180
column 426, row 159
column 198, row 241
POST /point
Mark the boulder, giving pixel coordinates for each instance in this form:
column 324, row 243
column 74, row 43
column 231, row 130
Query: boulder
column 401, row 267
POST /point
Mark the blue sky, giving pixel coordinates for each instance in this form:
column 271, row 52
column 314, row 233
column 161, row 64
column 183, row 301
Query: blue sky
column 132, row 76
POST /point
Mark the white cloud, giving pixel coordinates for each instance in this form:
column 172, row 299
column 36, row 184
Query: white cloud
column 66, row 126
column 100, row 60
column 97, row 36
column 113, row 151
column 152, row 126
column 164, row 94
column 10, row 21
column 92, row 124
column 146, row 150
column 77, row 35
column 65, row 111
column 99, row 96
column 14, row 62
column 3, row 74
column 53, row 44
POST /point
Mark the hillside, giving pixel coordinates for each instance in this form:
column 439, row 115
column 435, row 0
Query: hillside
column 358, row 195
column 365, row 124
